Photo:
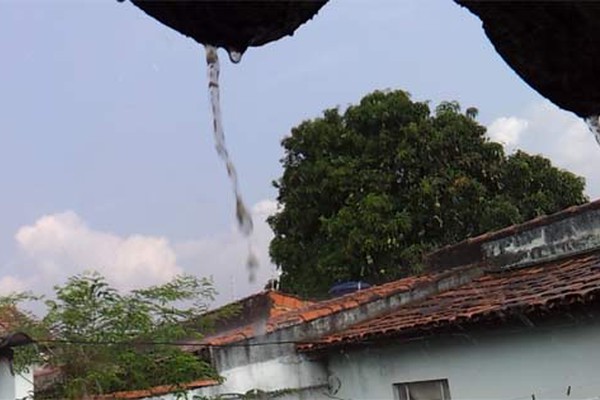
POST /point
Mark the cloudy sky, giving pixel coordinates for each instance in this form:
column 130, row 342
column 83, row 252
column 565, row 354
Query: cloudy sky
column 106, row 158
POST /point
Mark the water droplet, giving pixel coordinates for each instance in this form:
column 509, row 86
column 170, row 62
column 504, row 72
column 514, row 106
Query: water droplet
column 593, row 123
column 235, row 56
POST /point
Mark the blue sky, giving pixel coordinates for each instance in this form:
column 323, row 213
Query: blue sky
column 106, row 155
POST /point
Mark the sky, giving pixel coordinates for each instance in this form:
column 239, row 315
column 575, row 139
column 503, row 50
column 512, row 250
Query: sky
column 106, row 154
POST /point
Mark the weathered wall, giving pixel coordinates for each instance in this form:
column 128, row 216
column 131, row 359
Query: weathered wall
column 509, row 365
column 569, row 236
column 290, row 377
column 304, row 379
column 571, row 231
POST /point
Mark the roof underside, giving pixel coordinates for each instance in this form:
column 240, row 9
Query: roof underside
column 232, row 24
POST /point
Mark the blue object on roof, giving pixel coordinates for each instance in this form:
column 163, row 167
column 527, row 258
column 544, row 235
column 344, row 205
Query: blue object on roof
column 343, row 288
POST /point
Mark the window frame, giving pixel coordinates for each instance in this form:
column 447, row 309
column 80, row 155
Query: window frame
column 402, row 389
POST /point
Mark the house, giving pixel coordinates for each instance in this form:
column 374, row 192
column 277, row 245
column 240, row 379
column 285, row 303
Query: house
column 243, row 314
column 512, row 314
column 527, row 327
column 13, row 385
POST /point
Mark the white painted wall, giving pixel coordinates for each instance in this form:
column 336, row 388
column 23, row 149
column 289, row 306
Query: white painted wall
column 7, row 380
column 24, row 385
column 294, row 371
column 307, row 378
column 507, row 365
column 12, row 387
column 499, row 366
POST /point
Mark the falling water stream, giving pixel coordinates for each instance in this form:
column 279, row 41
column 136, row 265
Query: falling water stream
column 593, row 124
column 244, row 219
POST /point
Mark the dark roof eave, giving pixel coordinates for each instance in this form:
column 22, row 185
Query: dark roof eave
column 15, row 339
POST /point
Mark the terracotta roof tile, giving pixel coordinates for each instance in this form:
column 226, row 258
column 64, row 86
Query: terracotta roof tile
column 312, row 311
column 283, row 302
column 253, row 309
column 572, row 280
column 286, row 301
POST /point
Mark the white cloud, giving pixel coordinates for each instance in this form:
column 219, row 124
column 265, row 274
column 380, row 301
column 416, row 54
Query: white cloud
column 59, row 245
column 507, row 130
column 10, row 284
column 264, row 208
column 224, row 256
column 559, row 135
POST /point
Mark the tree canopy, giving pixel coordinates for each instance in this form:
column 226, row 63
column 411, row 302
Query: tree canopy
column 365, row 193
column 102, row 340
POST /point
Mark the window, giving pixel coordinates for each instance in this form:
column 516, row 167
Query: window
column 423, row 390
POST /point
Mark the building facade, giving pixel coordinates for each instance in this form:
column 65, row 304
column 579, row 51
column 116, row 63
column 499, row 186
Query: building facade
column 512, row 314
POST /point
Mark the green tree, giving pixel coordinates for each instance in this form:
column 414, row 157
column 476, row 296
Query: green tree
column 365, row 193
column 104, row 341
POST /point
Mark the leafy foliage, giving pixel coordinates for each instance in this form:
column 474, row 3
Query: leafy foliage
column 365, row 193
column 104, row 341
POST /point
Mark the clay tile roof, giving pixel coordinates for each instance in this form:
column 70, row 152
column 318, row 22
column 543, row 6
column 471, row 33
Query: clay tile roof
column 156, row 391
column 351, row 300
column 283, row 302
column 537, row 288
column 257, row 308
column 311, row 311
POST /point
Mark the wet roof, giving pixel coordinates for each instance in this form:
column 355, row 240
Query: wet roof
column 496, row 295
column 325, row 308
column 494, row 292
